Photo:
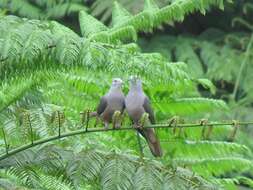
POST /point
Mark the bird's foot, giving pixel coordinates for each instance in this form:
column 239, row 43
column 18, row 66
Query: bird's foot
column 203, row 122
column 116, row 119
column 96, row 122
column 144, row 119
column 174, row 120
column 137, row 126
column 116, row 126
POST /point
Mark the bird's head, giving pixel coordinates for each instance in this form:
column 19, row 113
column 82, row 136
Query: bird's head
column 135, row 82
column 117, row 83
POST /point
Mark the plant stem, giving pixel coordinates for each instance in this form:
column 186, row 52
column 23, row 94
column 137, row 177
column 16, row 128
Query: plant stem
column 93, row 130
column 5, row 142
column 59, row 123
column 242, row 67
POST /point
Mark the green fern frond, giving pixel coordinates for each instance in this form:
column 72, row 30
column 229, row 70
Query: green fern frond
column 36, row 45
column 23, row 8
column 9, row 180
column 42, row 9
column 87, row 164
column 212, row 57
column 51, row 183
column 185, row 53
column 177, row 179
column 119, row 14
column 150, row 5
column 187, row 106
column 207, row 84
column 147, row 176
column 118, row 170
column 59, row 30
column 15, row 89
column 245, row 181
column 152, row 16
column 205, row 149
column 218, row 166
column 242, row 22
column 90, row 25
column 247, row 6
column 60, row 10
column 27, row 175
column 123, row 33
column 227, row 183
column 67, row 50
column 6, row 184
column 117, row 174
column 231, row 183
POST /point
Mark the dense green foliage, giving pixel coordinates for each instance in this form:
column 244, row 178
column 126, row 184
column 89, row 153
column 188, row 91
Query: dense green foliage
column 42, row 9
column 49, row 74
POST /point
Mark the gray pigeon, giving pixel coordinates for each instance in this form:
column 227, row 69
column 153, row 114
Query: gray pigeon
column 112, row 102
column 137, row 103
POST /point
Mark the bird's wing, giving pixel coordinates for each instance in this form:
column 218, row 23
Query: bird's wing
column 124, row 106
column 149, row 110
column 102, row 105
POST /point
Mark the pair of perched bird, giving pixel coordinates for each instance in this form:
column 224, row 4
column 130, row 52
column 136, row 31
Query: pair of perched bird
column 136, row 104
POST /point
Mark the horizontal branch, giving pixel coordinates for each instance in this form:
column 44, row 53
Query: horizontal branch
column 95, row 130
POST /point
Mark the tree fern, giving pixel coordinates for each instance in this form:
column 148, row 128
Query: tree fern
column 72, row 72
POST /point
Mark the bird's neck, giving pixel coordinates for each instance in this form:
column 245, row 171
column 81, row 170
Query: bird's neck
column 136, row 88
column 115, row 89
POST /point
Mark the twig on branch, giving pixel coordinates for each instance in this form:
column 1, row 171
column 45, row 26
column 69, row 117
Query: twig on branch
column 30, row 127
column 233, row 133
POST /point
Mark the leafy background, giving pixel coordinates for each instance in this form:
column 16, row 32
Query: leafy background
column 194, row 57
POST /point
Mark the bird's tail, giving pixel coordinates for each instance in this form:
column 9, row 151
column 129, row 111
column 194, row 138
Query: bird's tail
column 153, row 141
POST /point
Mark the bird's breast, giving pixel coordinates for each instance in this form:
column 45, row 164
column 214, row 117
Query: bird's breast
column 134, row 100
column 134, row 106
column 115, row 102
